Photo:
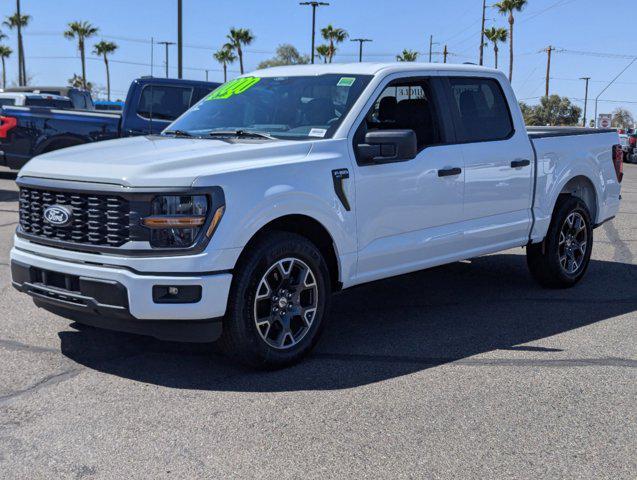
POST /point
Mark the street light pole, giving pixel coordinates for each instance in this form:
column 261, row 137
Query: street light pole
column 360, row 46
column 431, row 45
column 484, row 13
column 166, row 45
column 314, row 5
column 180, row 43
column 587, row 79
column 611, row 82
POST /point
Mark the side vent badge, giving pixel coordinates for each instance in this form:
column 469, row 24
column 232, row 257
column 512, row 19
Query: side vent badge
column 338, row 176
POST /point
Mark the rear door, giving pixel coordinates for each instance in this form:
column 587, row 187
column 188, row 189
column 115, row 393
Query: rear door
column 498, row 164
column 161, row 103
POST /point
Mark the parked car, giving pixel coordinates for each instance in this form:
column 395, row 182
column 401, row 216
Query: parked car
column 35, row 100
column 80, row 98
column 631, row 151
column 237, row 223
column 109, row 106
column 151, row 104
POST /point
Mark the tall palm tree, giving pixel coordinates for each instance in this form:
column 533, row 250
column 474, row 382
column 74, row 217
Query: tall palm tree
column 334, row 36
column 237, row 38
column 5, row 52
column 225, row 56
column 81, row 31
column 323, row 51
column 507, row 7
column 104, row 49
column 496, row 35
column 17, row 22
column 407, row 56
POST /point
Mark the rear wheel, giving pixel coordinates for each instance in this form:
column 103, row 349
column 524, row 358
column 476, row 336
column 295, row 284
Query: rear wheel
column 278, row 303
column 562, row 259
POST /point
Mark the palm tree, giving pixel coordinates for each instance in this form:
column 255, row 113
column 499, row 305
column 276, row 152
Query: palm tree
column 104, row 49
column 18, row 21
column 323, row 51
column 334, row 36
column 225, row 56
column 5, row 52
column 237, row 38
column 507, row 7
column 407, row 56
column 496, row 35
column 81, row 31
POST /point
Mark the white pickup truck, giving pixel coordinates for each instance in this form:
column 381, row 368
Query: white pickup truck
column 239, row 221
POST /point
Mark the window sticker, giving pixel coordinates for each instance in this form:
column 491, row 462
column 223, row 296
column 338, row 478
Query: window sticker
column 317, row 132
column 346, row 82
column 233, row 87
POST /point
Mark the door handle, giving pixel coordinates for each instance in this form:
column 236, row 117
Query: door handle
column 520, row 163
column 448, row 172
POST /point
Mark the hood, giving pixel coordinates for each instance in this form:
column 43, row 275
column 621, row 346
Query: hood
column 156, row 161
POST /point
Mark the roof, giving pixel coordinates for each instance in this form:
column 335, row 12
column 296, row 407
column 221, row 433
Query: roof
column 32, row 95
column 176, row 81
column 365, row 68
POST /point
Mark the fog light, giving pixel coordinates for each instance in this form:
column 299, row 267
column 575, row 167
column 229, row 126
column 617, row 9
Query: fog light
column 176, row 294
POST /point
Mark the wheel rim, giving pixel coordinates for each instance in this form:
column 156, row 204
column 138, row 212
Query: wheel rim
column 572, row 243
column 286, row 302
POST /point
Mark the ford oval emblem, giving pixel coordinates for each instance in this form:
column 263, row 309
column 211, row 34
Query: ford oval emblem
column 58, row 215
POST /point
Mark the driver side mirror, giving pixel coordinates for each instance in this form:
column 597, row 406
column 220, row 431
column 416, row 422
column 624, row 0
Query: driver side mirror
column 386, row 146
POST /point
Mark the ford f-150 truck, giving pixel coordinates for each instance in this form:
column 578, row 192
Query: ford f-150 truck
column 151, row 105
column 237, row 223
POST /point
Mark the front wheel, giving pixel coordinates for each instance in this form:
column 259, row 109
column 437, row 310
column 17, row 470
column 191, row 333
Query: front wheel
column 561, row 260
column 278, row 302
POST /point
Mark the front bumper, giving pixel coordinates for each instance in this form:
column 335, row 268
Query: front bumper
column 120, row 299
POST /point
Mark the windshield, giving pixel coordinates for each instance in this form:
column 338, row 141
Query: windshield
column 282, row 107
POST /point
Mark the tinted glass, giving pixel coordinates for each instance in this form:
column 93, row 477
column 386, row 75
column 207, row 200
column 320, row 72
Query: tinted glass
column 481, row 109
column 284, row 107
column 406, row 105
column 48, row 102
column 79, row 101
column 7, row 101
column 165, row 102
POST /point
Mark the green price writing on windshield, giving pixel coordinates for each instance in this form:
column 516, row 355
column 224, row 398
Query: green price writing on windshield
column 233, row 87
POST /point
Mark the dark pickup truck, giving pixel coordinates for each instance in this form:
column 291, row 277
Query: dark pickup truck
column 151, row 104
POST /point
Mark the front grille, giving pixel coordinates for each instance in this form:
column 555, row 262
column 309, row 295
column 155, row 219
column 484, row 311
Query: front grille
column 96, row 219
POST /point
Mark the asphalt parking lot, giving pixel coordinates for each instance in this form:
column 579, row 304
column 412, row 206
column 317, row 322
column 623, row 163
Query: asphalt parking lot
column 465, row 371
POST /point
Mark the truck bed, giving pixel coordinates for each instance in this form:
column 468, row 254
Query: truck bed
column 546, row 132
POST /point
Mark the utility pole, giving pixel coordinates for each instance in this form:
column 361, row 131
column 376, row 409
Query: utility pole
column 180, row 43
column 152, row 55
column 587, row 79
column 484, row 14
column 166, row 44
column 314, row 5
column 548, row 50
column 445, row 52
column 206, row 75
column 360, row 46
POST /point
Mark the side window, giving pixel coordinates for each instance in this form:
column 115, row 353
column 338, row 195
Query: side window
column 79, row 102
column 164, row 102
column 481, row 108
column 406, row 104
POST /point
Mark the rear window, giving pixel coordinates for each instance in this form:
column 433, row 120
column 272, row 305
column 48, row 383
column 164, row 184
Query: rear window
column 481, row 109
column 7, row 101
column 48, row 102
column 164, row 102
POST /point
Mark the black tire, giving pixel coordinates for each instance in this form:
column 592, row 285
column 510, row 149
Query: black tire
column 543, row 258
column 241, row 338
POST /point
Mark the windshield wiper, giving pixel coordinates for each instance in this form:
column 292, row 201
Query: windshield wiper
column 177, row 133
column 240, row 134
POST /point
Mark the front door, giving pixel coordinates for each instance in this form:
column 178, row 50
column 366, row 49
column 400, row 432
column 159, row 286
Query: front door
column 409, row 213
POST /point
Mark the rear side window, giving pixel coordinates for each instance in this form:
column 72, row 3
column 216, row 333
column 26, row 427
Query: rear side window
column 481, row 109
column 164, row 102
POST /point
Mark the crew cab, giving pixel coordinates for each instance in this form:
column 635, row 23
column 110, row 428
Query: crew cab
column 151, row 104
column 239, row 221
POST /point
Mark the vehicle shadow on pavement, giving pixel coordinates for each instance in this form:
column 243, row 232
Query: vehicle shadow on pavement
column 391, row 328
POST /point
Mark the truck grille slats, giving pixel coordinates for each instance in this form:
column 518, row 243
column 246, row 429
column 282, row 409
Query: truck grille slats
column 95, row 219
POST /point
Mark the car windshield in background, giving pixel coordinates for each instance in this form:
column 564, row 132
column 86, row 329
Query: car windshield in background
column 282, row 107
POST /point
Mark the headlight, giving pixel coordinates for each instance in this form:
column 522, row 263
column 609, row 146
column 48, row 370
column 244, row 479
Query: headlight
column 176, row 220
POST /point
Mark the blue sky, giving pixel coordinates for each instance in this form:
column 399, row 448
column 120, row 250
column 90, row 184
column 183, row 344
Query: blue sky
column 584, row 31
